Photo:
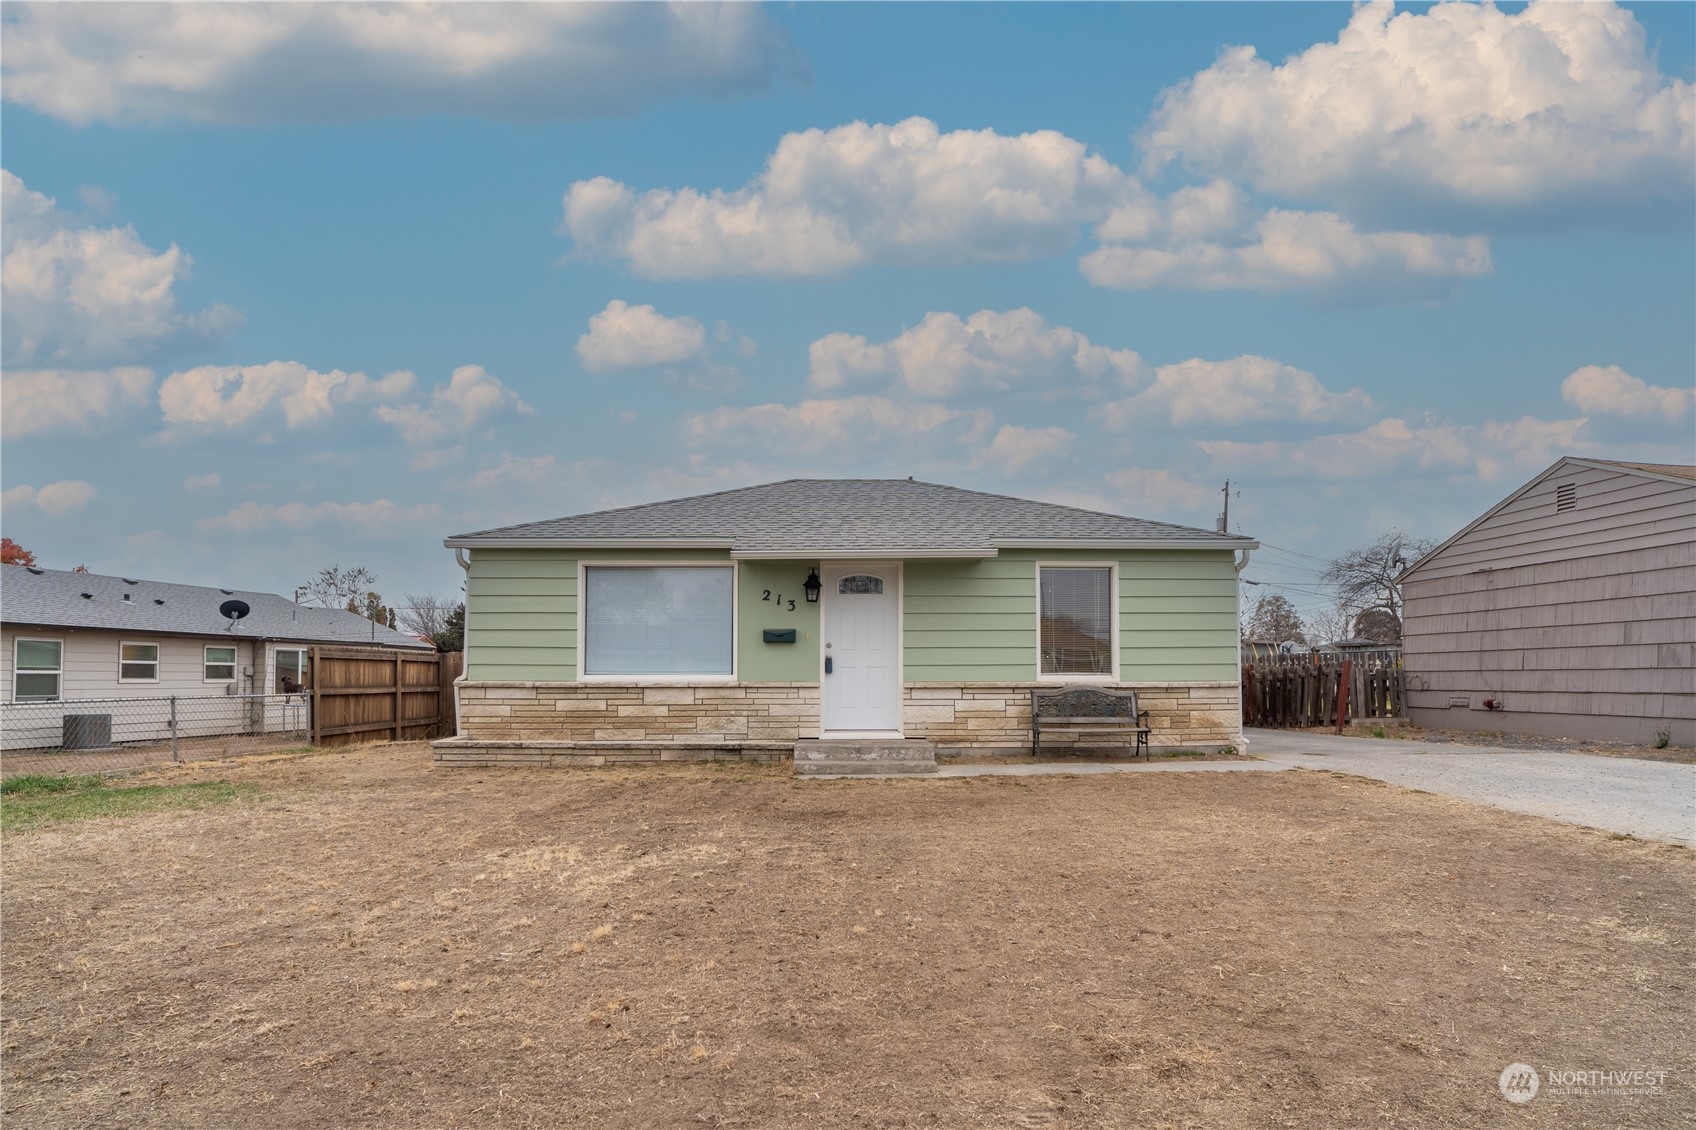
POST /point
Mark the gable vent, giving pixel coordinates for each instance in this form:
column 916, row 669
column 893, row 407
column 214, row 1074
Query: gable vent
column 1566, row 496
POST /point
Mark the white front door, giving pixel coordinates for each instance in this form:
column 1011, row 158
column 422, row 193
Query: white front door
column 862, row 679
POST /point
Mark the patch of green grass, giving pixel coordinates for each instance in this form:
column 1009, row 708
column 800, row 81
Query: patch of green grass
column 28, row 802
column 1379, row 732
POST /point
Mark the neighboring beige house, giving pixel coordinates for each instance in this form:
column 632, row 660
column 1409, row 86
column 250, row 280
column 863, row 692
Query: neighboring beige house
column 1568, row 609
column 68, row 638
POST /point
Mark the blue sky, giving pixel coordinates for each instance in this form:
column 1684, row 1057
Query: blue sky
column 295, row 286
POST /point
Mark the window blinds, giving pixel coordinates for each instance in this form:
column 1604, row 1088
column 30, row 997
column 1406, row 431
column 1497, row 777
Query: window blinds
column 1077, row 632
column 662, row 620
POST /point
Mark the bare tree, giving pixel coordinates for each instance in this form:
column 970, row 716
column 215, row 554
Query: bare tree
column 1275, row 620
column 1365, row 580
column 336, row 587
column 1328, row 625
column 424, row 613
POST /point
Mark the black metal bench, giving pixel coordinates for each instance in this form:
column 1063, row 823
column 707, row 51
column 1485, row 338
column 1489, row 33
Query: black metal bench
column 1084, row 711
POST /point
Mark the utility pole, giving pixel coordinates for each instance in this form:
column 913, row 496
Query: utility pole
column 1225, row 518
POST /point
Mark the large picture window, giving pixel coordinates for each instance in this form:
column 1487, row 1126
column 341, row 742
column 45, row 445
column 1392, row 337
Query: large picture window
column 658, row 620
column 36, row 670
column 1076, row 620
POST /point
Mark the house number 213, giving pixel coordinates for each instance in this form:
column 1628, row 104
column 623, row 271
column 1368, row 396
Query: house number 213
column 780, row 604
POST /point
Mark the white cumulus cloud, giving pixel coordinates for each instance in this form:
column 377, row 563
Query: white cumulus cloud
column 470, row 399
column 34, row 401
column 233, row 396
column 1239, row 390
column 1284, row 250
column 1393, row 446
column 829, row 200
column 854, row 428
column 946, row 354
column 78, row 293
column 64, row 497
column 380, row 517
column 1016, row 447
column 623, row 336
column 206, row 483
column 1612, row 391
column 1464, row 109
column 1157, row 493
column 263, row 62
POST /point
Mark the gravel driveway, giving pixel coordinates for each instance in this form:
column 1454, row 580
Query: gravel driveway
column 1652, row 800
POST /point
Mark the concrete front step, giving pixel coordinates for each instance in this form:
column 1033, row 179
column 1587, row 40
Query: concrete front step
column 815, row 757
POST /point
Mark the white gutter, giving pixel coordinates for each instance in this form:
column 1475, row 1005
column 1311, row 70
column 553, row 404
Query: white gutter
column 587, row 543
column 1226, row 542
column 464, row 640
column 868, row 554
column 853, row 554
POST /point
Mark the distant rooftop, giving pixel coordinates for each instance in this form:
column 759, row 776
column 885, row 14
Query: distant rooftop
column 846, row 516
column 1674, row 470
column 53, row 598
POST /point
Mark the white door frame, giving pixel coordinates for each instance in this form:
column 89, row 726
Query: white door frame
column 830, row 570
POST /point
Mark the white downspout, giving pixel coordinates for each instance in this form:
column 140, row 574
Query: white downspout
column 1241, row 564
column 464, row 640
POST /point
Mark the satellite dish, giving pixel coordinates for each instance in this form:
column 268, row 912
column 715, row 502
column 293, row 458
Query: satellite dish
column 233, row 609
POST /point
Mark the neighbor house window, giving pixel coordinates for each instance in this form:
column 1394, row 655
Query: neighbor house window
column 1076, row 620
column 36, row 670
column 220, row 665
column 138, row 663
column 658, row 620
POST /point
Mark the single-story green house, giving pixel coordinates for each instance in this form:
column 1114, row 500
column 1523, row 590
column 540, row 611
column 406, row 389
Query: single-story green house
column 735, row 624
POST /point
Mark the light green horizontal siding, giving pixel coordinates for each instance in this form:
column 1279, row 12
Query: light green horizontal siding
column 521, row 615
column 1178, row 616
column 761, row 662
column 969, row 621
column 977, row 621
column 964, row 621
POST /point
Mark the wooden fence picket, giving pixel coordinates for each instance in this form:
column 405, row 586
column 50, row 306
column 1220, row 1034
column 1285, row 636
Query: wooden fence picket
column 1304, row 690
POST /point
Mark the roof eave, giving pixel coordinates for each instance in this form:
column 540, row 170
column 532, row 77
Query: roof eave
column 1219, row 541
column 474, row 541
column 867, row 553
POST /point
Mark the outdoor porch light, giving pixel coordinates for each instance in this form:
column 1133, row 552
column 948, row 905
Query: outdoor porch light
column 812, row 586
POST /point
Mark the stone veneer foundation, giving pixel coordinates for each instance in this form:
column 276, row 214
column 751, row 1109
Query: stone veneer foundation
column 602, row 723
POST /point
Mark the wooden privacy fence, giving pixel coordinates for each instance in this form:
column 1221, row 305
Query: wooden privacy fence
column 372, row 694
column 1304, row 690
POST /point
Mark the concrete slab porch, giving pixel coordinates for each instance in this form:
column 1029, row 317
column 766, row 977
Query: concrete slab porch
column 860, row 757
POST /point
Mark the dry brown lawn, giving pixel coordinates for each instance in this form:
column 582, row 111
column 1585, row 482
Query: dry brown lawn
column 375, row 943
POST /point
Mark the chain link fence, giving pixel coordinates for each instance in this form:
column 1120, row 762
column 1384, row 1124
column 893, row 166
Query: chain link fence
column 110, row 735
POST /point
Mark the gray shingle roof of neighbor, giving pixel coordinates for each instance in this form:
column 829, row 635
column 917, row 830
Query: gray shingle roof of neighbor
column 846, row 516
column 53, row 598
column 1671, row 470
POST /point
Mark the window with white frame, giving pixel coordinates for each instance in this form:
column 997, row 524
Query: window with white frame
column 292, row 664
column 664, row 620
column 138, row 663
column 36, row 670
column 220, row 664
column 1076, row 620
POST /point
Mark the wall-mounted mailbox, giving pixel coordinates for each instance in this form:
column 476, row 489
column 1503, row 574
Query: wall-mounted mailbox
column 778, row 635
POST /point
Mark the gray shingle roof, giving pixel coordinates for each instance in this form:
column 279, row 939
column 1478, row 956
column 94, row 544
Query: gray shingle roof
column 53, row 598
column 807, row 516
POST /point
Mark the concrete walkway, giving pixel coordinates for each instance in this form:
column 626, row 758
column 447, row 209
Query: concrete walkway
column 1654, row 800
column 1084, row 768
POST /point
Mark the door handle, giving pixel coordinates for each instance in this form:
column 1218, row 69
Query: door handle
column 827, row 664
